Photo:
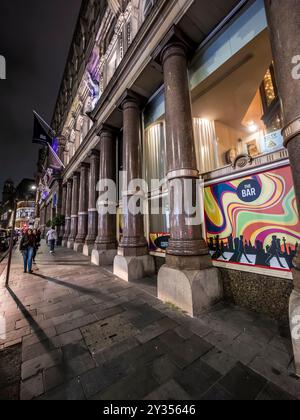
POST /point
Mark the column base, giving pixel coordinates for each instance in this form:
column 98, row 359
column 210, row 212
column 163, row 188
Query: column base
column 103, row 258
column 78, row 247
column 64, row 243
column 193, row 291
column 295, row 327
column 134, row 268
column 71, row 244
column 88, row 249
column 296, row 278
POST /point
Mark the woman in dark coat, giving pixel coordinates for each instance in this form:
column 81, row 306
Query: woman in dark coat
column 37, row 236
column 27, row 247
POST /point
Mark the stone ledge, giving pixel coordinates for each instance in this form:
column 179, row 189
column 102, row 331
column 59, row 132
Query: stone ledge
column 103, row 258
column 294, row 311
column 133, row 268
column 193, row 291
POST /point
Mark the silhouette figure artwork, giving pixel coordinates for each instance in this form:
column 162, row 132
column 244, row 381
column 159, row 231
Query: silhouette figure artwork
column 240, row 250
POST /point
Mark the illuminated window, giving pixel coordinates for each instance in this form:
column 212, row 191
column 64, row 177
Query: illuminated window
column 269, row 89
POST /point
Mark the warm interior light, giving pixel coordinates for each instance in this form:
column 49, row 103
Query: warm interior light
column 252, row 127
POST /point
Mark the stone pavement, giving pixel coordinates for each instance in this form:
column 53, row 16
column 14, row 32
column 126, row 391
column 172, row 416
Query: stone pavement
column 84, row 334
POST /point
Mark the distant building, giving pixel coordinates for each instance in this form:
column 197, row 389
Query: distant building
column 25, row 214
column 8, row 190
column 26, row 196
column 7, row 203
column 25, row 193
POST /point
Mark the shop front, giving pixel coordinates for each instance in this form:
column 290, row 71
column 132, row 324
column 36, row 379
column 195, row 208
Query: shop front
column 25, row 215
column 250, row 218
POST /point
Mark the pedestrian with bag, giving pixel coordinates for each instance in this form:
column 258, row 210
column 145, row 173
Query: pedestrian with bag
column 27, row 247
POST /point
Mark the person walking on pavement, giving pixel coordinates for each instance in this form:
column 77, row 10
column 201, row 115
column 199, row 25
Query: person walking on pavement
column 51, row 239
column 27, row 247
column 37, row 244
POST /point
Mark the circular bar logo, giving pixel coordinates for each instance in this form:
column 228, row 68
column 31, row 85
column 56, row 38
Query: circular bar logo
column 162, row 242
column 249, row 190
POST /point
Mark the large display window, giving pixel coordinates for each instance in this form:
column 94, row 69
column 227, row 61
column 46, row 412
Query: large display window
column 237, row 117
column 240, row 105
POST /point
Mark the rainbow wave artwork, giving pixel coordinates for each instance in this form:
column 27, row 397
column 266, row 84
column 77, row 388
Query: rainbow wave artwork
column 254, row 220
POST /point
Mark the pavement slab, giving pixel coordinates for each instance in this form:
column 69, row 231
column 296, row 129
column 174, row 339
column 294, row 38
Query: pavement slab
column 74, row 331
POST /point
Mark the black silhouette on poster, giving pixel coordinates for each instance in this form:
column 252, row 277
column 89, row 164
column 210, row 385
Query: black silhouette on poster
column 240, row 248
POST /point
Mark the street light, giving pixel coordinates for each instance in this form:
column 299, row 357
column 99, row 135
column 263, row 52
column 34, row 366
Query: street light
column 11, row 244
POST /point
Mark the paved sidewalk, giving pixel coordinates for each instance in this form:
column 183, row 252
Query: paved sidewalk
column 82, row 333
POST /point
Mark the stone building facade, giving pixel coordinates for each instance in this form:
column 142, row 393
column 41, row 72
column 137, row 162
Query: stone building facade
column 181, row 90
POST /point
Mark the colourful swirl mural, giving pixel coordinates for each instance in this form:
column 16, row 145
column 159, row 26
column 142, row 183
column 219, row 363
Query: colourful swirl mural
column 254, row 220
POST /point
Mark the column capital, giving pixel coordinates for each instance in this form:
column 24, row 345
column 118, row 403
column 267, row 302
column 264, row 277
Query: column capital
column 174, row 42
column 76, row 175
column 84, row 165
column 130, row 99
column 94, row 153
column 106, row 129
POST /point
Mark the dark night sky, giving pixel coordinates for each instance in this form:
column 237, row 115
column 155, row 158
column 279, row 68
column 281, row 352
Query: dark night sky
column 35, row 37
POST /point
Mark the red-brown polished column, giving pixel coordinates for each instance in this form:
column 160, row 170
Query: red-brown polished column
column 188, row 278
column 92, row 210
column 133, row 241
column 74, row 210
column 186, row 241
column 83, row 207
column 284, row 23
column 133, row 261
column 42, row 225
column 67, row 230
column 105, row 248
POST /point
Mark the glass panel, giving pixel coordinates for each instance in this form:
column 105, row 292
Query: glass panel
column 159, row 223
column 154, row 153
column 206, row 145
column 237, row 109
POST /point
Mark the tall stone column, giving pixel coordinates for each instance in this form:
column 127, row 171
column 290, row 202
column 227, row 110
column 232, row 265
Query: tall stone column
column 187, row 279
column 284, row 24
column 67, row 229
column 42, row 221
column 83, row 208
column 74, row 210
column 48, row 212
column 92, row 210
column 105, row 248
column 133, row 261
column 62, row 212
column 52, row 211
